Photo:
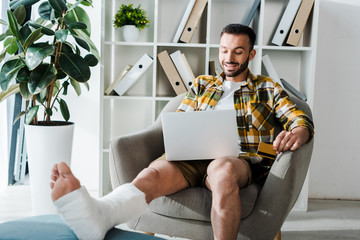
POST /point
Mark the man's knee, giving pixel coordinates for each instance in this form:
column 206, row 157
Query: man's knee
column 226, row 174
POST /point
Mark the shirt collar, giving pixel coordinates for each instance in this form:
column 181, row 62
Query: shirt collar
column 250, row 81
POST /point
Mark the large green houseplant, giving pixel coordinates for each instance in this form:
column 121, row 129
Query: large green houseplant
column 42, row 58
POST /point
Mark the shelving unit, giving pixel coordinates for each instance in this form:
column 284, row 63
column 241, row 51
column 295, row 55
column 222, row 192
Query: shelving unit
column 141, row 105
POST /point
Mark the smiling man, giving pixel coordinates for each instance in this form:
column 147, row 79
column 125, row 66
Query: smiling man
column 258, row 101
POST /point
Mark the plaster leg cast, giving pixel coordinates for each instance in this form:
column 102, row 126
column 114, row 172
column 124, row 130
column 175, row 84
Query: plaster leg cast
column 75, row 204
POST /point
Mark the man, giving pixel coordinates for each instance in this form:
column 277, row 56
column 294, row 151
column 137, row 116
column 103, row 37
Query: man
column 258, row 101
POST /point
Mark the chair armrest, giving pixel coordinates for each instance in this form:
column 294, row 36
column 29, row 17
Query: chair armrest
column 129, row 154
column 279, row 193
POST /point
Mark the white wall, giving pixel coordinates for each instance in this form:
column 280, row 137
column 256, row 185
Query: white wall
column 85, row 112
column 334, row 171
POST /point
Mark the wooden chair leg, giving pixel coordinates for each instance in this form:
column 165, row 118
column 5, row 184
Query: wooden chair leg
column 149, row 233
column 278, row 236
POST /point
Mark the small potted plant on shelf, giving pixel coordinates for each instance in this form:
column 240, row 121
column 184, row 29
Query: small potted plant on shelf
column 131, row 20
column 41, row 60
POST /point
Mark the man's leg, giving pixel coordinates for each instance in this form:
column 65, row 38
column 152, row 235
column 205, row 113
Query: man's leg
column 226, row 176
column 90, row 218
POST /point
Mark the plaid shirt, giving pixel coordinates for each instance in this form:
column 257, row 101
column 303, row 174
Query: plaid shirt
column 258, row 103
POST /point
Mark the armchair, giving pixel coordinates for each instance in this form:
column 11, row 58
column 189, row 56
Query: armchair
column 186, row 214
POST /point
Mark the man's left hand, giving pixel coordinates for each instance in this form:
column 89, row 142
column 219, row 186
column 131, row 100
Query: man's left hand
column 291, row 140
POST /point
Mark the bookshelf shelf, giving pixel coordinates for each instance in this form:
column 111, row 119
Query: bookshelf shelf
column 142, row 103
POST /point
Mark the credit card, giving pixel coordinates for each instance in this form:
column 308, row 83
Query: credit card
column 266, row 150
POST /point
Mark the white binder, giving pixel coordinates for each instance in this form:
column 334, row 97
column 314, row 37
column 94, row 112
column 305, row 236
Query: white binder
column 136, row 72
column 286, row 22
column 251, row 13
column 183, row 68
column 271, row 70
column 184, row 21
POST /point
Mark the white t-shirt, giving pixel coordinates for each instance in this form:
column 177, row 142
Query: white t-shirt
column 226, row 101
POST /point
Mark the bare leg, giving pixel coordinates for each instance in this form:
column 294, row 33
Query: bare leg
column 226, row 176
column 159, row 179
column 63, row 181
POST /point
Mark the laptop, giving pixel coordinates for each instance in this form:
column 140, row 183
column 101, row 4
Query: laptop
column 200, row 135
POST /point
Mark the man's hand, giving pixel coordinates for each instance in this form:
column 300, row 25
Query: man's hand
column 291, row 140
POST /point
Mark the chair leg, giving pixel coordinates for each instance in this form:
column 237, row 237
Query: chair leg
column 149, row 233
column 278, row 236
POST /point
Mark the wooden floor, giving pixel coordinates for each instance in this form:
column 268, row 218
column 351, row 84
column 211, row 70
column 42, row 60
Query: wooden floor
column 325, row 219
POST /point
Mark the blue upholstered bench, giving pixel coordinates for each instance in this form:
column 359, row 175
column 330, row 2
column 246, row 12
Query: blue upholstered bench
column 52, row 227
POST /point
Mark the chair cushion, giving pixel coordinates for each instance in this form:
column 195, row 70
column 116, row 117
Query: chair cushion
column 52, row 227
column 195, row 203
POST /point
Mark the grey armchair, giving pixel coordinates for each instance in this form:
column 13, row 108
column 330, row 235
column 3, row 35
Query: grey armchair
column 186, row 214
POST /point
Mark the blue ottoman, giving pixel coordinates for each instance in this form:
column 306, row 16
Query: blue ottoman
column 52, row 227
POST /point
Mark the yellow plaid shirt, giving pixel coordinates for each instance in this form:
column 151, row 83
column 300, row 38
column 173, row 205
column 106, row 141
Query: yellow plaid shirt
column 259, row 102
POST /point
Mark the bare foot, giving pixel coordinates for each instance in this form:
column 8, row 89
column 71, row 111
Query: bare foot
column 63, row 181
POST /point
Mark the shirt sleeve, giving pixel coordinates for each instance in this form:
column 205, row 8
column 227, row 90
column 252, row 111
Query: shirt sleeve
column 288, row 114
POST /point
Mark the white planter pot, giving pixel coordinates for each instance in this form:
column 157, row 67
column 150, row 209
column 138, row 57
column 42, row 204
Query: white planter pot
column 130, row 33
column 46, row 145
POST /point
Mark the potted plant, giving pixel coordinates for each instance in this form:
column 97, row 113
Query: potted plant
column 41, row 60
column 131, row 20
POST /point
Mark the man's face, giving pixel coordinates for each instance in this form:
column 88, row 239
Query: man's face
column 235, row 54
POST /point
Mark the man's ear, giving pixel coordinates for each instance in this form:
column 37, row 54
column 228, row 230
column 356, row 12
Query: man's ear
column 252, row 54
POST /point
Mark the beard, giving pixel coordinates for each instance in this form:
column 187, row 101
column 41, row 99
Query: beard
column 241, row 69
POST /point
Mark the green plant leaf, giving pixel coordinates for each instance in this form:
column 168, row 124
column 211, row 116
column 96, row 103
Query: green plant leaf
column 7, row 73
column 32, row 38
column 41, row 77
column 61, row 35
column 64, row 110
column 25, row 32
column 13, row 89
column 76, row 86
column 87, row 39
column 11, row 44
column 46, row 11
column 75, row 5
column 82, row 43
column 75, row 67
column 3, row 54
column 27, row 3
column 40, row 97
column 37, row 53
column 19, row 116
column 91, row 60
column 65, row 87
column 58, row 5
column 86, row 84
column 3, row 22
column 20, row 14
column 79, row 15
column 2, row 36
column 23, row 75
column 13, row 24
column 31, row 114
column 87, row 2
column 24, row 90
column 45, row 30
column 77, row 25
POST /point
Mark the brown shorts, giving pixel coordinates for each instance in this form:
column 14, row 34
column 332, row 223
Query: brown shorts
column 195, row 172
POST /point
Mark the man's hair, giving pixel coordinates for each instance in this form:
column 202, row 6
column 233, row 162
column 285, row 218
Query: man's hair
column 240, row 29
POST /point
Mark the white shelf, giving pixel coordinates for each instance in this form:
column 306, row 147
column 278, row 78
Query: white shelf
column 143, row 102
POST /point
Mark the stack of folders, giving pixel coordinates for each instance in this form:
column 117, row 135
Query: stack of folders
column 177, row 70
column 190, row 21
column 282, row 82
column 292, row 23
column 129, row 75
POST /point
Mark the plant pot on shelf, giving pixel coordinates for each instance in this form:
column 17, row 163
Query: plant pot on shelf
column 130, row 33
column 46, row 145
